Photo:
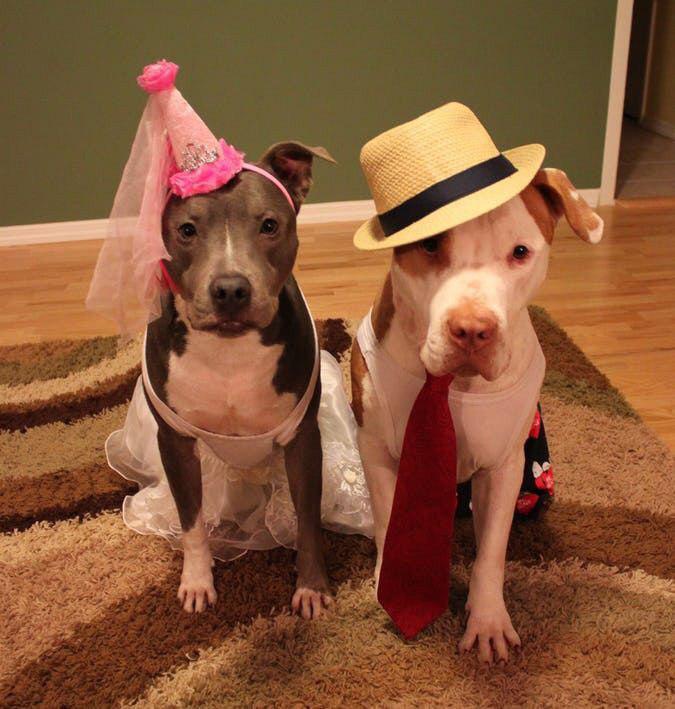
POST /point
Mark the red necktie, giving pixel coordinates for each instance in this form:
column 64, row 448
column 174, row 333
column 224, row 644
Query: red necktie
column 415, row 574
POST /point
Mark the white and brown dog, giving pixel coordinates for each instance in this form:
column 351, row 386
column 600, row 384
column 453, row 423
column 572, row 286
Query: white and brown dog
column 456, row 302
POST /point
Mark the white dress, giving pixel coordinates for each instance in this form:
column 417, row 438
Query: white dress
column 244, row 507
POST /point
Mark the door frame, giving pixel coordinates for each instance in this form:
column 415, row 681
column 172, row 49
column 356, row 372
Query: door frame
column 617, row 91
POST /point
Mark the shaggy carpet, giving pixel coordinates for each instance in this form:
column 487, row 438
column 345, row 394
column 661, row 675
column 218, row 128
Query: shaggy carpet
column 90, row 615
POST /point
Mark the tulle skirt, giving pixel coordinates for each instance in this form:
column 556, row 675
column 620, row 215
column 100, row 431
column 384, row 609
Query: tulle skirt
column 245, row 508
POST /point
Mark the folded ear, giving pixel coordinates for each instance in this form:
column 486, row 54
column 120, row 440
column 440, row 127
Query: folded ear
column 562, row 198
column 291, row 162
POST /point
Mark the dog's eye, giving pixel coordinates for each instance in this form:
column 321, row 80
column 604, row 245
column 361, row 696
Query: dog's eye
column 269, row 226
column 430, row 245
column 520, row 252
column 187, row 230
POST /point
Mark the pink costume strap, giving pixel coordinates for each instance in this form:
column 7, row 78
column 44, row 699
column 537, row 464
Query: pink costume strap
column 271, row 178
column 167, row 280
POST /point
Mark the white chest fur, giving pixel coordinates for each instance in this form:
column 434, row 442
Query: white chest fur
column 224, row 385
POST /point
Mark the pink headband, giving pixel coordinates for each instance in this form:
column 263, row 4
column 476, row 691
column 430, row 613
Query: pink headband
column 271, row 178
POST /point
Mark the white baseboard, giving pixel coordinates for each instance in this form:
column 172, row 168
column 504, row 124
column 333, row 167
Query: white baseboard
column 658, row 126
column 326, row 212
column 592, row 196
column 85, row 229
column 52, row 233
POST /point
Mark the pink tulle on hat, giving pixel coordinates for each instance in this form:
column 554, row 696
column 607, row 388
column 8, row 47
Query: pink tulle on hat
column 204, row 163
column 174, row 152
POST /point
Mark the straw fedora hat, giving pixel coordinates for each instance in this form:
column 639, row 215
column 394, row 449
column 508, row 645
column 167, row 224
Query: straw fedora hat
column 435, row 172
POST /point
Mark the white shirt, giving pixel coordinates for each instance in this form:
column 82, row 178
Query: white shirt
column 486, row 425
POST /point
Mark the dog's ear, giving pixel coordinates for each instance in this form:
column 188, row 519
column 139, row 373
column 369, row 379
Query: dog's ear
column 291, row 162
column 562, row 198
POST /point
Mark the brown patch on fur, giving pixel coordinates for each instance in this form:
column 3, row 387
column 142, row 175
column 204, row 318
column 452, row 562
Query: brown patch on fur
column 539, row 211
column 414, row 260
column 359, row 369
column 383, row 310
column 558, row 192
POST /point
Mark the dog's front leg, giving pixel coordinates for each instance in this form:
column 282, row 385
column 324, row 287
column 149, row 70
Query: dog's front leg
column 304, row 468
column 493, row 500
column 380, row 470
column 379, row 466
column 183, row 471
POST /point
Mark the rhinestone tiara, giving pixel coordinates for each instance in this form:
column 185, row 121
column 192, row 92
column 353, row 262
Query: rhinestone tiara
column 194, row 156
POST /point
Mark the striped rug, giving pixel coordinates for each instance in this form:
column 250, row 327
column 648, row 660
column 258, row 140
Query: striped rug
column 89, row 614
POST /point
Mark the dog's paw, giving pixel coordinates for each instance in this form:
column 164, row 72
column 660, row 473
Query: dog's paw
column 493, row 631
column 309, row 603
column 196, row 591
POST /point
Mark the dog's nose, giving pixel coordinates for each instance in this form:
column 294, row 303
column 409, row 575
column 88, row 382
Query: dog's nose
column 231, row 293
column 472, row 330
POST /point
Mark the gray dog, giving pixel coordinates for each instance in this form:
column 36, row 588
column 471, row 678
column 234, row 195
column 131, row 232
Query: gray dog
column 234, row 353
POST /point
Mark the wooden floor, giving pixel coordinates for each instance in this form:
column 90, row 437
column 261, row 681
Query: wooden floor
column 617, row 299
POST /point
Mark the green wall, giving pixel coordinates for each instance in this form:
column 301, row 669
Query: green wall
column 331, row 72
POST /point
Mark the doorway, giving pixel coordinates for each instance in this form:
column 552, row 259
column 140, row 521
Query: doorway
column 646, row 166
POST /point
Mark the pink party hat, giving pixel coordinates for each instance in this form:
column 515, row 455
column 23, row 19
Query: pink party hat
column 173, row 152
column 204, row 163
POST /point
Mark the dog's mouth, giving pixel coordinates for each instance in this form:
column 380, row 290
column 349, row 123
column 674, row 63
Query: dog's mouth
column 256, row 316
column 229, row 328
column 465, row 370
column 488, row 365
column 469, row 369
column 225, row 326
